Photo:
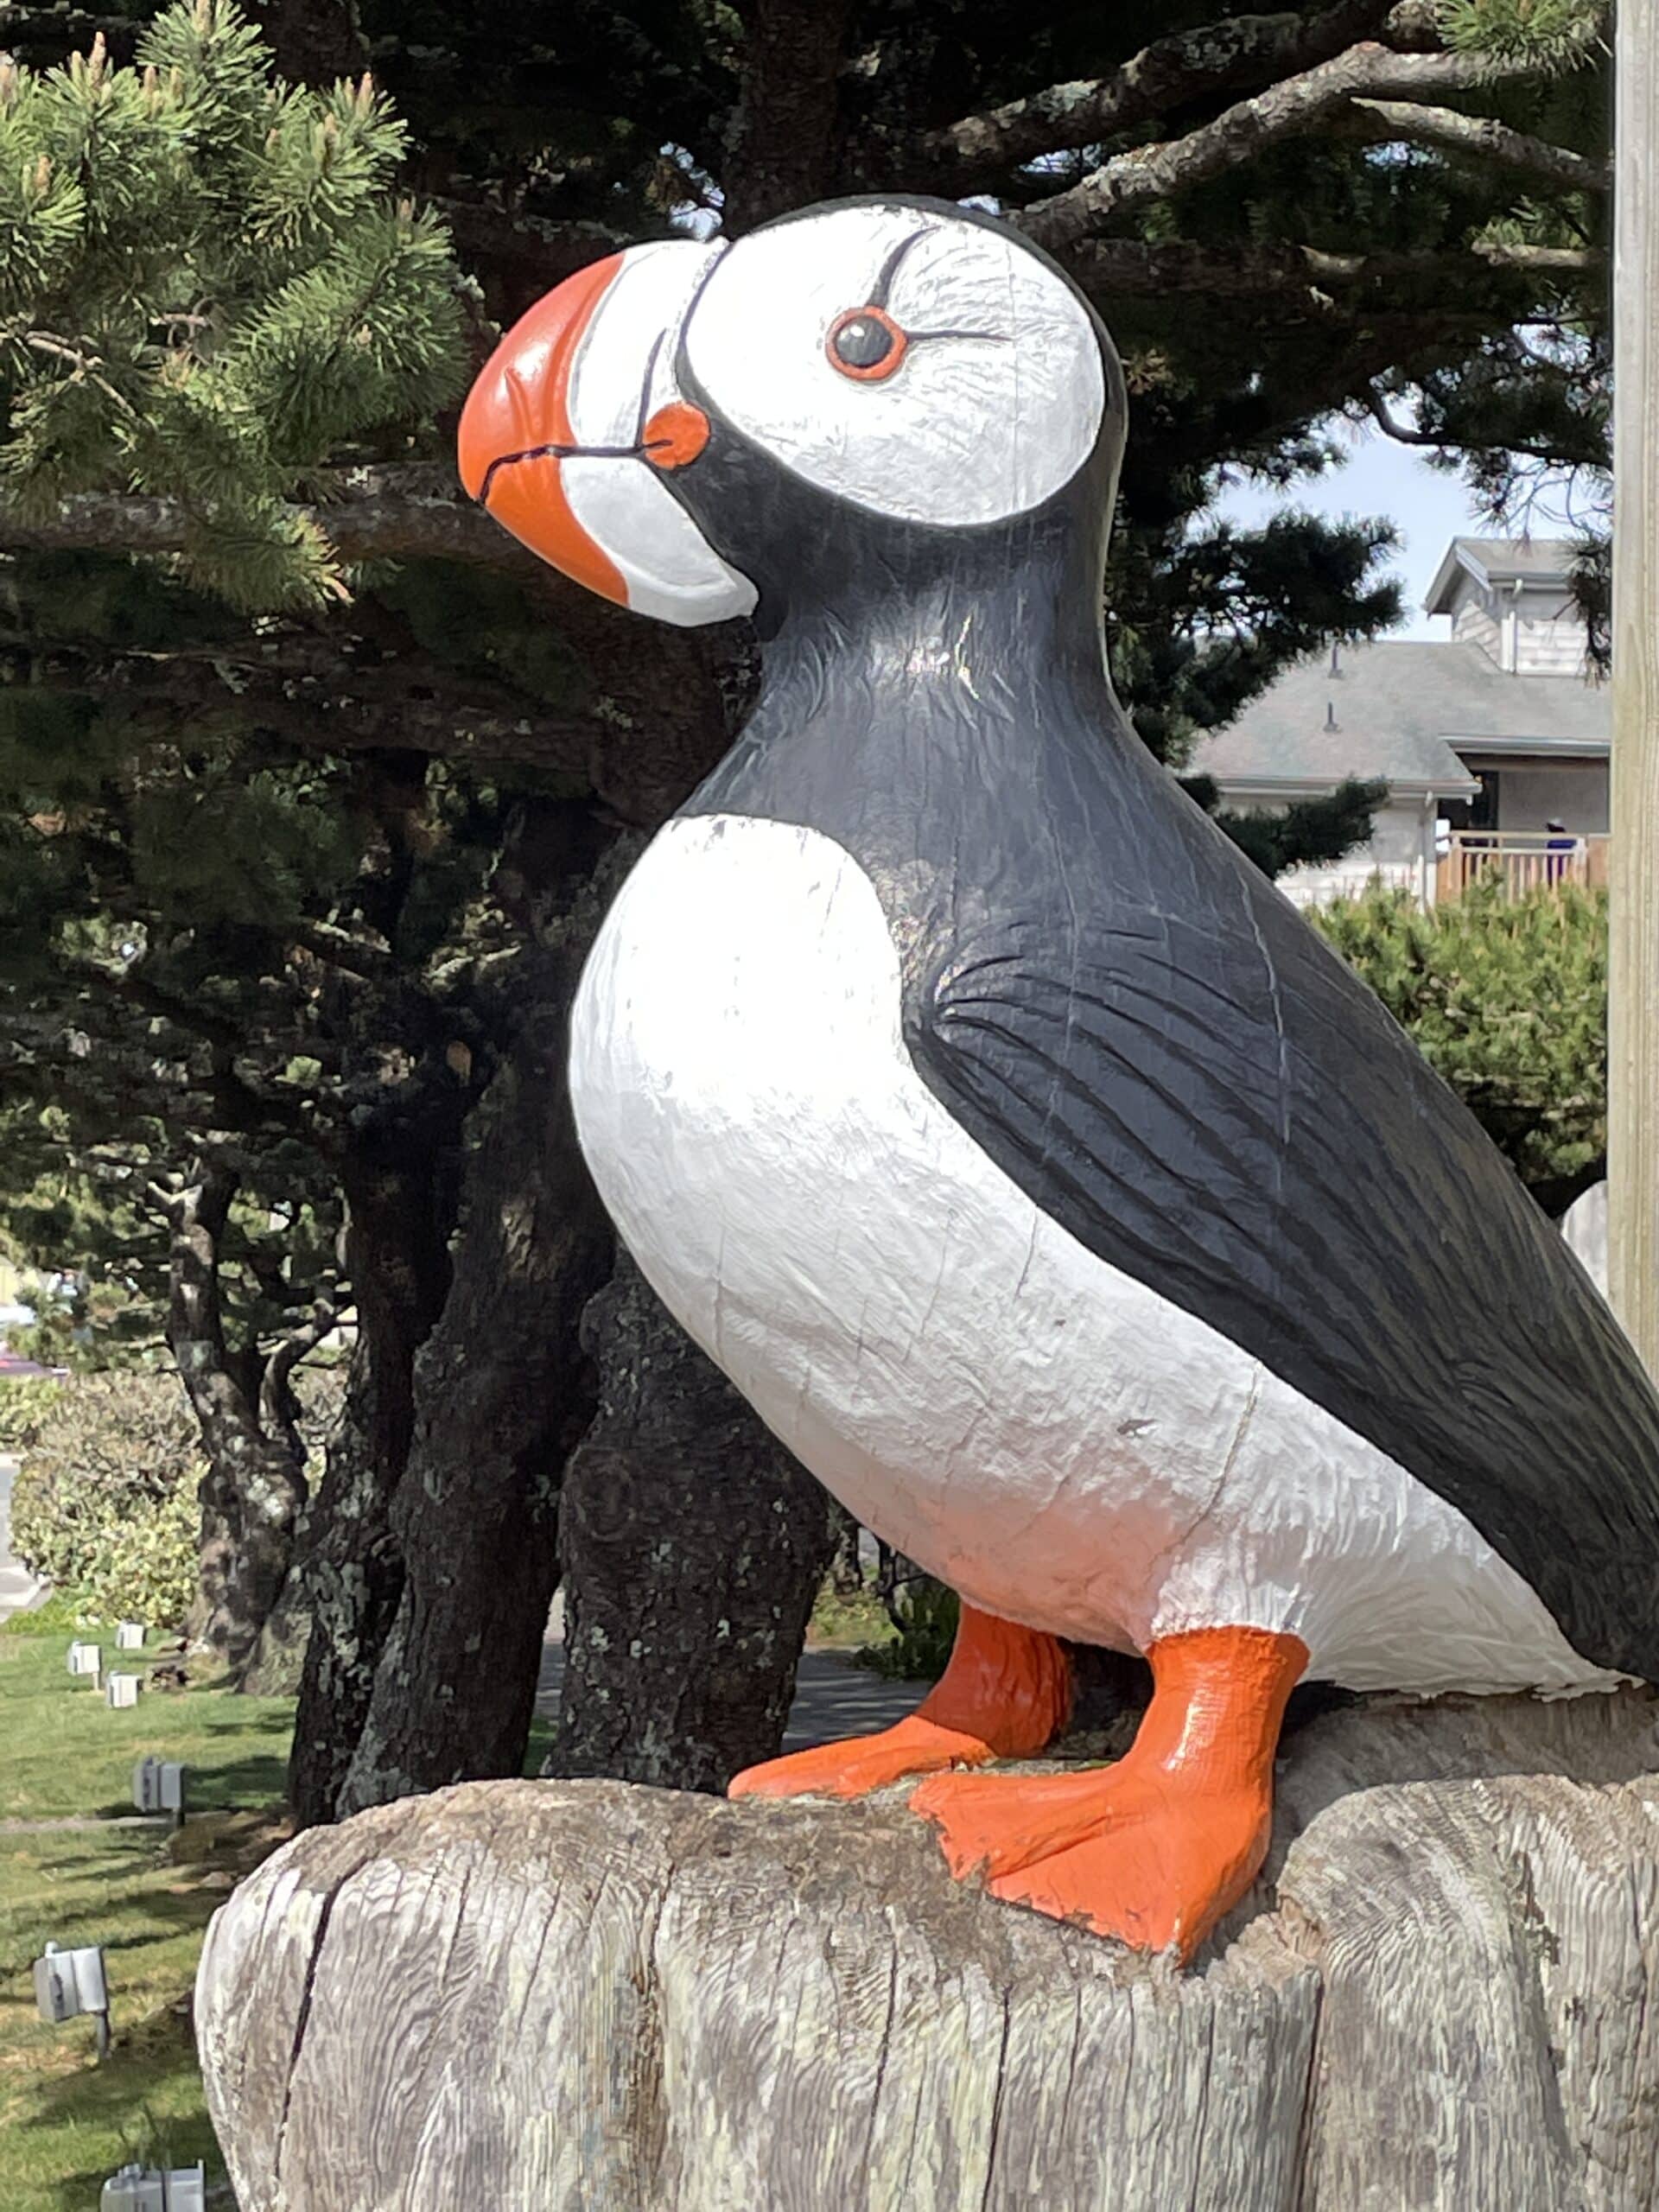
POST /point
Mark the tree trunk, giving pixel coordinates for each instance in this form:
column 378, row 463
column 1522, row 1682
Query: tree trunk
column 262, row 1489
column 256, row 1484
column 693, row 1546
column 344, row 1596
column 274, row 1668
column 782, row 149
column 503, row 1394
column 254, row 1497
column 314, row 41
column 1438, row 1998
column 846, row 1565
column 215, row 1550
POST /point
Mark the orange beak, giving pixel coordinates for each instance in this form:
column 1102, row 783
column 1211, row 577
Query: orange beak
column 515, row 425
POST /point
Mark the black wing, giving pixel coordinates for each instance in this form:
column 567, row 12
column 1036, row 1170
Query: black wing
column 1226, row 1113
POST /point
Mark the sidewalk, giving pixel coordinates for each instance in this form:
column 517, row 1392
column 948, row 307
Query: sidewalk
column 833, row 1698
column 18, row 1588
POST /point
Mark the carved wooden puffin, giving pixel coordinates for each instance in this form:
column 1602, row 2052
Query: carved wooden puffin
column 1044, row 1180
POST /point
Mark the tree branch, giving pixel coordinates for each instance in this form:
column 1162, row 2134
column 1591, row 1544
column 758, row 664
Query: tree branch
column 415, row 512
column 1303, row 103
column 161, row 1006
column 1227, row 56
column 657, row 723
column 197, row 1213
column 1482, row 138
column 1406, row 434
column 127, row 1075
column 1130, row 268
column 278, row 1410
column 317, row 699
column 527, row 247
column 343, row 948
column 1546, row 260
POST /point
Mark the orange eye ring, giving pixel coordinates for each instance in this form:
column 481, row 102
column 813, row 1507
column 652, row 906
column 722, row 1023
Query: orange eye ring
column 866, row 345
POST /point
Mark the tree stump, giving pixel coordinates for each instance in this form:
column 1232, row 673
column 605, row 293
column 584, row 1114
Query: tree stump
column 539, row 1996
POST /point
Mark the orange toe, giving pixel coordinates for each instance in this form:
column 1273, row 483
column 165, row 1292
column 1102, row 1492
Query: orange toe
column 991, row 1824
column 861, row 1764
column 1155, row 1873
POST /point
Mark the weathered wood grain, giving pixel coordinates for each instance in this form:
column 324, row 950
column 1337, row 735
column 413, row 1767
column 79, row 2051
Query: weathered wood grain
column 584, row 1997
column 1633, row 943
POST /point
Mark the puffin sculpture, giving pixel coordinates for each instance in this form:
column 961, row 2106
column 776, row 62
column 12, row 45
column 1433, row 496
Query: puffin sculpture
column 1047, row 1185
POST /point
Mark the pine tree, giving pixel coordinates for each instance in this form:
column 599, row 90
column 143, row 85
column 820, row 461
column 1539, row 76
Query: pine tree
column 208, row 289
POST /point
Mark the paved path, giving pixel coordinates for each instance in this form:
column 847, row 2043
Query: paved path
column 832, row 1698
column 18, row 1588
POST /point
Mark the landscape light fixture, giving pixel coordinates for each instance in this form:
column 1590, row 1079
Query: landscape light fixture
column 86, row 1659
column 69, row 1983
column 122, row 1689
column 158, row 1787
column 130, row 1636
column 155, row 2189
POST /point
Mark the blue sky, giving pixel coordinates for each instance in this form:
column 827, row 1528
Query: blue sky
column 1426, row 506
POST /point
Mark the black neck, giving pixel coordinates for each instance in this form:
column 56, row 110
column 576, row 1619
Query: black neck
column 1007, row 629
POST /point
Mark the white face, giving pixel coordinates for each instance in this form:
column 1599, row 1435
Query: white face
column 992, row 402
column 904, row 360
column 626, row 356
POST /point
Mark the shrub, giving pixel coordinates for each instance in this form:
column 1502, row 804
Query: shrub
column 106, row 1503
column 924, row 1614
column 25, row 1400
column 850, row 1620
column 1508, row 1000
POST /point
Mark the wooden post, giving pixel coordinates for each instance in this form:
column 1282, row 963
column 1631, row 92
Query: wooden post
column 586, row 1996
column 1633, row 1061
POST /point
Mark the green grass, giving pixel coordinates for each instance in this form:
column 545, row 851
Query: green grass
column 541, row 1742
column 67, row 1753
column 65, row 2122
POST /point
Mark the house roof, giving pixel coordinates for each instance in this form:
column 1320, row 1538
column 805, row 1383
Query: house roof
column 1499, row 561
column 1400, row 709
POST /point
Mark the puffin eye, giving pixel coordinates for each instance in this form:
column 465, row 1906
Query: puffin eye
column 866, row 343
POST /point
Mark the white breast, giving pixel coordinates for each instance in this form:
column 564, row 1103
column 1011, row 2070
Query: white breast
column 1061, row 1443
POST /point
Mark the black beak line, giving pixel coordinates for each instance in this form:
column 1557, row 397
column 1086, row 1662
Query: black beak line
column 561, row 453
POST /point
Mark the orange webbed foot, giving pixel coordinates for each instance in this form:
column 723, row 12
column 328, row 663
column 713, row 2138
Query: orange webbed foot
column 854, row 1768
column 1155, row 1849
column 1117, row 1849
column 1005, row 1692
